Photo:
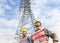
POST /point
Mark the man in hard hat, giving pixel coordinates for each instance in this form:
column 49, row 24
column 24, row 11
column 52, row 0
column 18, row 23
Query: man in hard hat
column 25, row 38
column 42, row 35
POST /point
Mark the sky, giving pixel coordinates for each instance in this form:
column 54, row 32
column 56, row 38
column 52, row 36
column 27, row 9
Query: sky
column 47, row 11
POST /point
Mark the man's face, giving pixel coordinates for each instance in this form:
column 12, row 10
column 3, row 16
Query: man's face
column 24, row 33
column 38, row 25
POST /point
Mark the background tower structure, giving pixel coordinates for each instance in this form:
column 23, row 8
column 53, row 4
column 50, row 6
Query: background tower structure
column 26, row 19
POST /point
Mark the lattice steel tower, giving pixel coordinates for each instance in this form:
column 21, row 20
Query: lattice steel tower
column 26, row 18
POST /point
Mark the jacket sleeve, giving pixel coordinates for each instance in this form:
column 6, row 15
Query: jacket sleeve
column 51, row 34
column 29, row 38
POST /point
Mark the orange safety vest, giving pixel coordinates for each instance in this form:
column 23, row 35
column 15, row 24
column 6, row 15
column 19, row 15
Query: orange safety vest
column 39, row 37
column 24, row 40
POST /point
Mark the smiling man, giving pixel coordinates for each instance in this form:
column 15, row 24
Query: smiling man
column 42, row 35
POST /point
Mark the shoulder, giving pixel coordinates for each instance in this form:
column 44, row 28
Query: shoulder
column 45, row 29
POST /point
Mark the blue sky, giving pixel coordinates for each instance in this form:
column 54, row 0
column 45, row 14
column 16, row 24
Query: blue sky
column 48, row 11
column 9, row 7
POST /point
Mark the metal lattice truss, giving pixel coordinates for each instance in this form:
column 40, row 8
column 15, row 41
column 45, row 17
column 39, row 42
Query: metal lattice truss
column 26, row 19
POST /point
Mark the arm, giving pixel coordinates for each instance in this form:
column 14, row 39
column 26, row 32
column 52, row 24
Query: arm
column 52, row 35
column 29, row 39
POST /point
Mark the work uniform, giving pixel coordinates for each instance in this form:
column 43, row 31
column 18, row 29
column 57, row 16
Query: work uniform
column 42, row 36
column 25, row 39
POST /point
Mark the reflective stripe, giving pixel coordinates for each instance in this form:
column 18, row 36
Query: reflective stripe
column 39, row 37
column 37, row 32
column 24, row 40
column 42, row 36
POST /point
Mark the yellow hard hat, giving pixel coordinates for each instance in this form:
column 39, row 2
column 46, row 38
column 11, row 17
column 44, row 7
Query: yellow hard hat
column 24, row 30
column 37, row 21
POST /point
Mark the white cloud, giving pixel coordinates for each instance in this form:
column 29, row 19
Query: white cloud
column 55, row 15
column 2, row 2
column 54, row 0
column 17, row 12
column 2, row 11
column 4, row 6
column 12, row 22
column 8, row 7
column 37, row 6
column 38, row 3
column 7, row 35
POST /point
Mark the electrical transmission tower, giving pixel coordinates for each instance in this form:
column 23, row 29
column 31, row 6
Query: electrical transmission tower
column 26, row 18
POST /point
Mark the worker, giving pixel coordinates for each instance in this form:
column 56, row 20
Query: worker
column 42, row 35
column 25, row 38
